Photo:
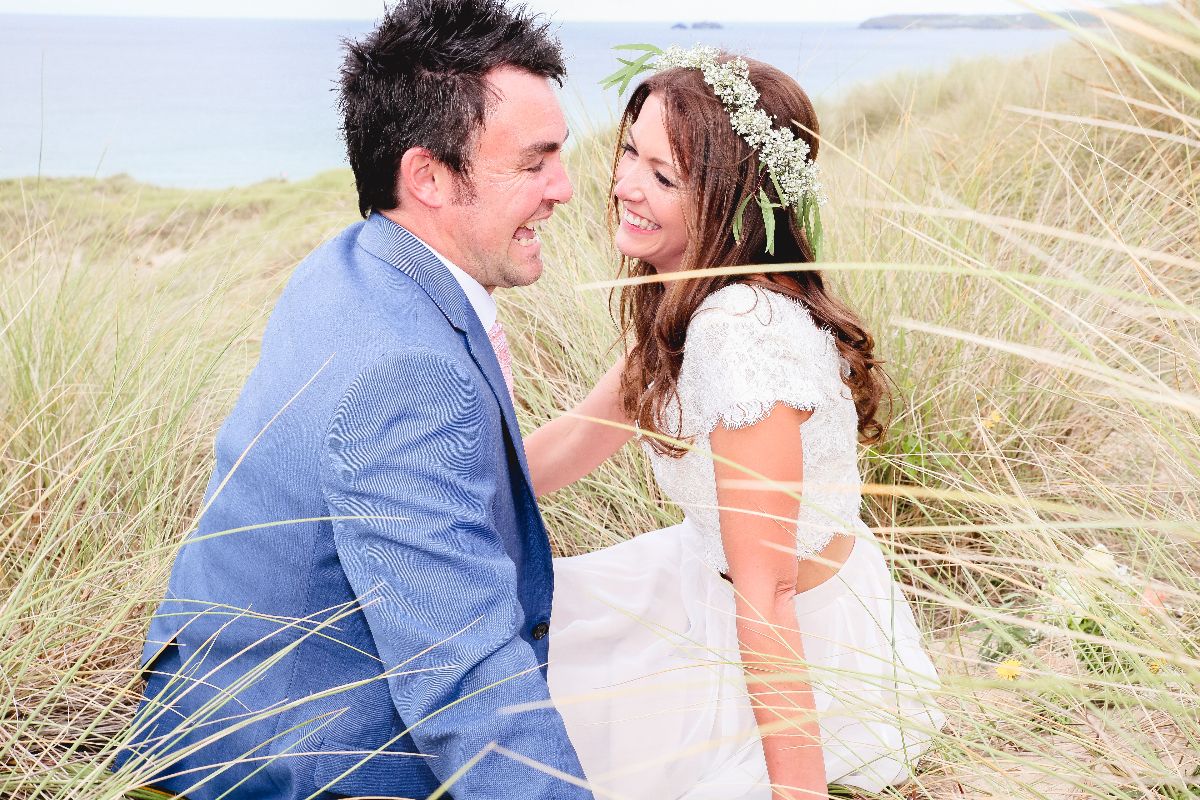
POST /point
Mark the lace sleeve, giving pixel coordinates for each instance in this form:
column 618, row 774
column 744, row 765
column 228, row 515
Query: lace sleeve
column 748, row 349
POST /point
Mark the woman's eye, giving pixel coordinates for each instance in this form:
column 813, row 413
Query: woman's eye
column 663, row 180
column 627, row 150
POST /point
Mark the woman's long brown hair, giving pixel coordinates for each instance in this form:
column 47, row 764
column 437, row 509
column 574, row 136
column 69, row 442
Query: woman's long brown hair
column 719, row 170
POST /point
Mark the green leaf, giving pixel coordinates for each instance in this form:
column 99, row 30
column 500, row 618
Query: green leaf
column 618, row 77
column 775, row 183
column 768, row 212
column 813, row 228
column 737, row 218
column 624, row 76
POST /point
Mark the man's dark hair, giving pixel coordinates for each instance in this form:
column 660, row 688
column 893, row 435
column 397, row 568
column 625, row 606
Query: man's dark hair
column 417, row 80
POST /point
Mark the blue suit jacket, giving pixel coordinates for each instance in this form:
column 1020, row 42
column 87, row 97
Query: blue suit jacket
column 367, row 591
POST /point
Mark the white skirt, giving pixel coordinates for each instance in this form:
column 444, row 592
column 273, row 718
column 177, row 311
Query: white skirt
column 645, row 670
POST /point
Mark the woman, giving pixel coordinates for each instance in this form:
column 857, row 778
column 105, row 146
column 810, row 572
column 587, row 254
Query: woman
column 760, row 649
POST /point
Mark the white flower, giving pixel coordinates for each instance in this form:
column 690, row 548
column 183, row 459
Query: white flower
column 785, row 156
column 1100, row 559
column 1070, row 597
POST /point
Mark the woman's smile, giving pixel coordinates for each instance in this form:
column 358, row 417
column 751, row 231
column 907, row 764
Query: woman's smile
column 638, row 224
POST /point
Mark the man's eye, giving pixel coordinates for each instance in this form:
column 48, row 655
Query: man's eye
column 536, row 167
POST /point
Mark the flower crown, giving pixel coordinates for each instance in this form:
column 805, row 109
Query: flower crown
column 780, row 153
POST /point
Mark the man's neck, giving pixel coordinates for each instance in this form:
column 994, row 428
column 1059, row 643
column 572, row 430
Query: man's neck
column 478, row 295
column 435, row 239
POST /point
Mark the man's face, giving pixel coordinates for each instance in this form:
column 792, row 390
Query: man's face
column 517, row 177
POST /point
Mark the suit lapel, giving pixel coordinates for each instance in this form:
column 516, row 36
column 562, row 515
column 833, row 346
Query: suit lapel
column 386, row 240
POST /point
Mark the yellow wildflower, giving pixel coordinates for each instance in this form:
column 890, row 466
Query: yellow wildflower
column 992, row 420
column 1155, row 667
column 1008, row 670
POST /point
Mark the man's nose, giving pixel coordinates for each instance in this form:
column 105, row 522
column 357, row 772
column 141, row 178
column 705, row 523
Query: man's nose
column 559, row 189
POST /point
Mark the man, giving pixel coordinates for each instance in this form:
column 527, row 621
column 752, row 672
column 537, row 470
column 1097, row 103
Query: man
column 368, row 591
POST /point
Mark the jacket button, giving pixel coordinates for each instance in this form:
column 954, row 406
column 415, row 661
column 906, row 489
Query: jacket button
column 540, row 630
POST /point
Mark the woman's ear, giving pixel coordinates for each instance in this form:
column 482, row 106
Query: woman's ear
column 424, row 178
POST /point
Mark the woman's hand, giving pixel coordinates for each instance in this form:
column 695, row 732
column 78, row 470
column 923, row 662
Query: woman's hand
column 758, row 530
column 566, row 448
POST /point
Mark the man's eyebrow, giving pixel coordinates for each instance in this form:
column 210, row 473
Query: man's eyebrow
column 544, row 148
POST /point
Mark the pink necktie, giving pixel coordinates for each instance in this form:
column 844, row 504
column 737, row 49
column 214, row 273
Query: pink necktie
column 500, row 345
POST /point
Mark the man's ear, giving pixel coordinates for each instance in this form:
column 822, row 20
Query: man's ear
column 424, row 178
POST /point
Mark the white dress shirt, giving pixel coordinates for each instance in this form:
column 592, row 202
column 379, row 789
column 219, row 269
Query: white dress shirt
column 481, row 300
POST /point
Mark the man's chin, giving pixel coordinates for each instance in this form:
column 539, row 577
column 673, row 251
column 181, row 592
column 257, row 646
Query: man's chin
column 525, row 270
column 528, row 276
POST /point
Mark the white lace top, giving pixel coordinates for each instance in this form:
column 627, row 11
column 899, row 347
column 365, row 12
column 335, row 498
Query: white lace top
column 748, row 348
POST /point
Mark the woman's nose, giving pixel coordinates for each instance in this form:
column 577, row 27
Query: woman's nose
column 628, row 187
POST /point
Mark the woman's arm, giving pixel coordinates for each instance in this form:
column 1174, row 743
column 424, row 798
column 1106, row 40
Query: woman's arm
column 758, row 529
column 566, row 448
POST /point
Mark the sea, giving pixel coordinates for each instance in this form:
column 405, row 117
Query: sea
column 206, row 103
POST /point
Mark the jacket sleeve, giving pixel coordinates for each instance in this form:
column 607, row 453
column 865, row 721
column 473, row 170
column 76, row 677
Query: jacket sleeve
column 410, row 477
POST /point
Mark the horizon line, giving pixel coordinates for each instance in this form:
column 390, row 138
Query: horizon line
column 121, row 15
column 553, row 16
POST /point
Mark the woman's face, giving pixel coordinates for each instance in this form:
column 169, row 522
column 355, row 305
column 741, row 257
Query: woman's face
column 648, row 191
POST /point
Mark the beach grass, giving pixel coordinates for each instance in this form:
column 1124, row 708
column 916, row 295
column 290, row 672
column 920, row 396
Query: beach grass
column 1020, row 236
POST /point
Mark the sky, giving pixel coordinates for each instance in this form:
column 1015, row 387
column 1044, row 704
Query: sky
column 561, row 10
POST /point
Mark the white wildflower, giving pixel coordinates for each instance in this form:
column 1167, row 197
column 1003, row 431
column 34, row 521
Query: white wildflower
column 785, row 156
column 1069, row 595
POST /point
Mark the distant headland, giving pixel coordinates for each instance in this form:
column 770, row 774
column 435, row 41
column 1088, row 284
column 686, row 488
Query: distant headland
column 985, row 21
column 697, row 26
